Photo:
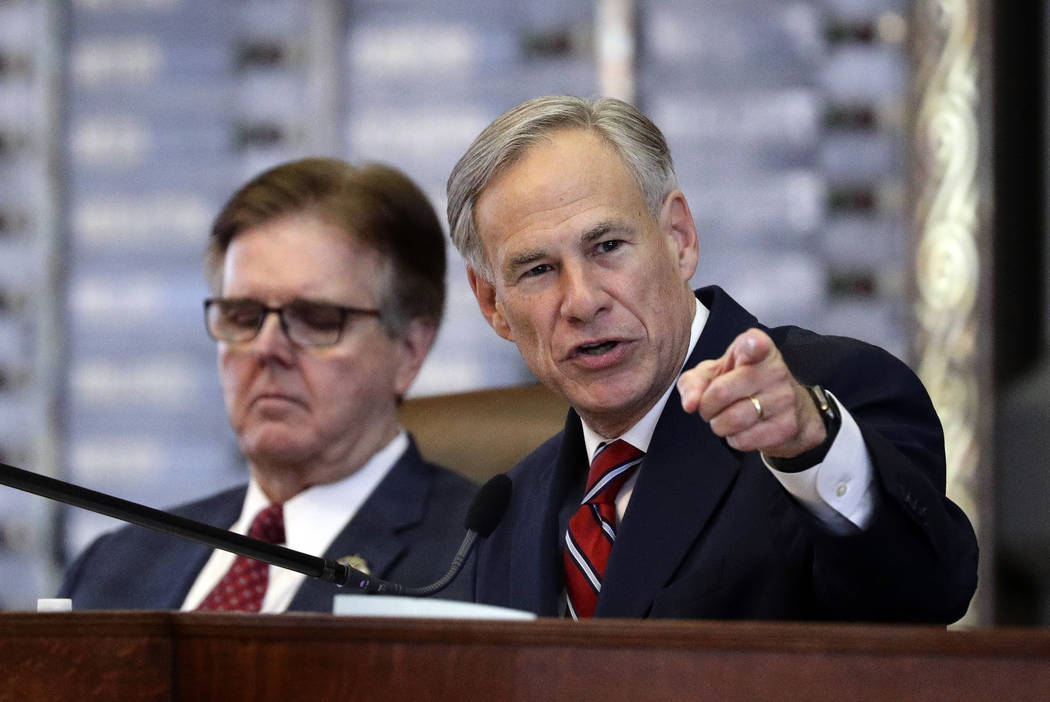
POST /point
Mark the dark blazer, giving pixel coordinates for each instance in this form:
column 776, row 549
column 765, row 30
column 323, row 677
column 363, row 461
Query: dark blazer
column 407, row 530
column 710, row 533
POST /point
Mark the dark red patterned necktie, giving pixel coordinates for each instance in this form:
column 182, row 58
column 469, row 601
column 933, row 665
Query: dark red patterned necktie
column 243, row 587
column 589, row 539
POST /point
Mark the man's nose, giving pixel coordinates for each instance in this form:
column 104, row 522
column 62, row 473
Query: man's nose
column 582, row 294
column 271, row 341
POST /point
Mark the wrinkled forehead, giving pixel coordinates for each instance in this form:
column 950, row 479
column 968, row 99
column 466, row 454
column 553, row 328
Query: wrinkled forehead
column 558, row 190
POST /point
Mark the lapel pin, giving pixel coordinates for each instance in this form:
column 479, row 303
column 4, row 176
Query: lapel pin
column 357, row 562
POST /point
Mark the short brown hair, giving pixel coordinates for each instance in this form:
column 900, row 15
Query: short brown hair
column 375, row 203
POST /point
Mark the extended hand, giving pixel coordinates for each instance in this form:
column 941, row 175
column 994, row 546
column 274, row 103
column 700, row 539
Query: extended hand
column 750, row 398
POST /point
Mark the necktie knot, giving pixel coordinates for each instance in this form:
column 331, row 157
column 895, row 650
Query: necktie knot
column 268, row 525
column 613, row 464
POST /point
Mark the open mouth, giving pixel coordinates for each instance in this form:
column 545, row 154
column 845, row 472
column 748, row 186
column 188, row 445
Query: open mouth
column 596, row 349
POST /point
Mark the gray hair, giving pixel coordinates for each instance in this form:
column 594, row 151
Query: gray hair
column 637, row 140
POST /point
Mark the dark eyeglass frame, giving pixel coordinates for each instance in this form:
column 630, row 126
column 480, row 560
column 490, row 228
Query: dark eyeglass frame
column 345, row 312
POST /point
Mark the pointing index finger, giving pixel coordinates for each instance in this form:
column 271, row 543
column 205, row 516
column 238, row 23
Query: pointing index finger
column 749, row 349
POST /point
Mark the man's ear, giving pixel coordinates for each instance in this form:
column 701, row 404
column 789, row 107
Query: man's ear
column 415, row 341
column 676, row 220
column 485, row 292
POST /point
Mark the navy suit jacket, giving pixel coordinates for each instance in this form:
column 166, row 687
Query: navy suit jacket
column 710, row 533
column 408, row 530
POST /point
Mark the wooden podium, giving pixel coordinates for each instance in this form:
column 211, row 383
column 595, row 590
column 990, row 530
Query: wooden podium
column 173, row 656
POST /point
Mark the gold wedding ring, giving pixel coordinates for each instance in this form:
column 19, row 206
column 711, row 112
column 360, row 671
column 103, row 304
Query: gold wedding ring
column 758, row 407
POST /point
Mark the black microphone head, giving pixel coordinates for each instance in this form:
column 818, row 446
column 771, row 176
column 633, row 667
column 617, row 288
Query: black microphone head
column 489, row 505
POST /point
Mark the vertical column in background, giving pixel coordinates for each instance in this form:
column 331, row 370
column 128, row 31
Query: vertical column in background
column 30, row 353
column 286, row 84
column 952, row 273
column 423, row 79
column 784, row 122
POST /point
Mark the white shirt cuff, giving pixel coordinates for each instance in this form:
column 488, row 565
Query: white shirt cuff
column 838, row 490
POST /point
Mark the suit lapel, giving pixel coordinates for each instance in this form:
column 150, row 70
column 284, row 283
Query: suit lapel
column 554, row 500
column 187, row 558
column 685, row 474
column 186, row 564
column 376, row 531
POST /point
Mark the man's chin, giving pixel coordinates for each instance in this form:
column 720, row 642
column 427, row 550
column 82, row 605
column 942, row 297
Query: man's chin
column 275, row 449
column 605, row 410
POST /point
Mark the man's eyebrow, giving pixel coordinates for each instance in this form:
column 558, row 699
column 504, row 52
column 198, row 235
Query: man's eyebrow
column 601, row 229
column 525, row 259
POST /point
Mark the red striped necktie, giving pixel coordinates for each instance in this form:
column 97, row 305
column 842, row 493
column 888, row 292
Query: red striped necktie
column 592, row 530
column 243, row 587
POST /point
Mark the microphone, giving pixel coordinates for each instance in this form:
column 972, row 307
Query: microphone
column 484, row 514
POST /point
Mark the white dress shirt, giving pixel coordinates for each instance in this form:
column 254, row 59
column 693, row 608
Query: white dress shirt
column 838, row 490
column 312, row 520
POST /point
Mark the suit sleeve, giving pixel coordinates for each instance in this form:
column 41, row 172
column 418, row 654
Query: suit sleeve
column 917, row 559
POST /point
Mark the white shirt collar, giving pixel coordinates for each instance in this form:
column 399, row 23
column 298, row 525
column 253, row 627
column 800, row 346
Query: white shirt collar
column 312, row 521
column 641, row 433
column 315, row 516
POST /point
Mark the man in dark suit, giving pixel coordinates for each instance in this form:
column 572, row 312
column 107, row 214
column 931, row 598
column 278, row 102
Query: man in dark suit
column 329, row 288
column 736, row 471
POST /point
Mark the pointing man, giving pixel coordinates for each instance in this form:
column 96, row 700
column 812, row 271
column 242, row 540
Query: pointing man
column 710, row 467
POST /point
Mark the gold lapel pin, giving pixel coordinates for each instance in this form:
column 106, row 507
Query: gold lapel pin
column 357, row 562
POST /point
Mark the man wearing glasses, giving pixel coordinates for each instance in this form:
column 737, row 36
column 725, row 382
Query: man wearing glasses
column 328, row 285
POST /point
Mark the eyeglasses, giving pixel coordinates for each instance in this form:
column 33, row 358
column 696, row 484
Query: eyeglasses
column 305, row 323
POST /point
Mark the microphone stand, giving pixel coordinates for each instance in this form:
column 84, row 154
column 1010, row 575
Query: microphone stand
column 165, row 522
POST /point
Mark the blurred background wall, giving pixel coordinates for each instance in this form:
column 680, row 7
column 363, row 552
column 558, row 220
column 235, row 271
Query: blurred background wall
column 874, row 168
